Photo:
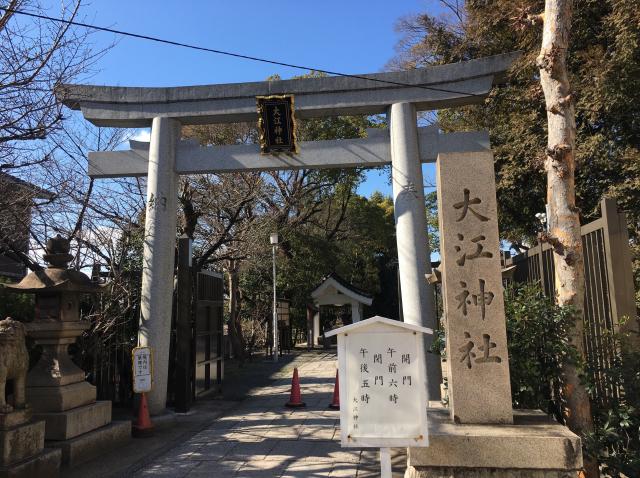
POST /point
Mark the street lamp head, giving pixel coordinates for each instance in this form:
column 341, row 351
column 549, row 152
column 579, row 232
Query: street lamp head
column 274, row 238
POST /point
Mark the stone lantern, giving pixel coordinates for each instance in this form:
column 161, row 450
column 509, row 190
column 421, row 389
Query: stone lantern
column 56, row 388
column 56, row 383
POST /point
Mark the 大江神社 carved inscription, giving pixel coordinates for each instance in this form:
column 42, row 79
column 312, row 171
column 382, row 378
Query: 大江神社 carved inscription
column 276, row 124
column 482, row 299
column 479, row 388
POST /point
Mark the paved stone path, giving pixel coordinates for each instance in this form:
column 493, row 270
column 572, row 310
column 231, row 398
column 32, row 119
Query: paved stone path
column 262, row 438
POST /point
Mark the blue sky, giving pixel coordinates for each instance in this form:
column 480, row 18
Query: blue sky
column 345, row 36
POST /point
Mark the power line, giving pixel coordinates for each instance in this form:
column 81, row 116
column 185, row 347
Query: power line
column 263, row 60
column 232, row 54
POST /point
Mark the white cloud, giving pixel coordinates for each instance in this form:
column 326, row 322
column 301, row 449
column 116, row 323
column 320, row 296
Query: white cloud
column 142, row 135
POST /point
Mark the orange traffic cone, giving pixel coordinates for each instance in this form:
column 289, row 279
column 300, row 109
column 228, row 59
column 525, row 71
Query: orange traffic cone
column 294, row 400
column 335, row 404
column 143, row 426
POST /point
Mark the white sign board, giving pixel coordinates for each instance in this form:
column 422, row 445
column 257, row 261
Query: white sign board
column 383, row 389
column 142, row 366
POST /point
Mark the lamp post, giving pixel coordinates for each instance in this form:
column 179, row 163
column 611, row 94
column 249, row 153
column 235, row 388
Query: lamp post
column 274, row 245
column 542, row 217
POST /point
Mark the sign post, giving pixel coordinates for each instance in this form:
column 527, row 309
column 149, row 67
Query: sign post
column 141, row 362
column 142, row 369
column 383, row 386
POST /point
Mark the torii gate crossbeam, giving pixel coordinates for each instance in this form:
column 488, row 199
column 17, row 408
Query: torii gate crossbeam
column 369, row 152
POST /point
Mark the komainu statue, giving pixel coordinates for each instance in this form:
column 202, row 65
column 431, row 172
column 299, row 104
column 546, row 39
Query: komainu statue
column 14, row 363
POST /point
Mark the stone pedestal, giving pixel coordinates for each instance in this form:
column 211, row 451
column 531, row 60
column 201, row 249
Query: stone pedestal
column 92, row 444
column 83, row 432
column 71, row 423
column 534, row 446
column 76, row 424
column 22, row 452
column 66, row 397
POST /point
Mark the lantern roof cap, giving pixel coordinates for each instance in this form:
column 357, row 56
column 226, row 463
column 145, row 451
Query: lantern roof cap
column 56, row 280
column 57, row 277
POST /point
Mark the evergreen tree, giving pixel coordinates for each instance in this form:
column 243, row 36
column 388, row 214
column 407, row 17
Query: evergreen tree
column 604, row 71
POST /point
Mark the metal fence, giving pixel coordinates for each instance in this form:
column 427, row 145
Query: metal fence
column 107, row 356
column 609, row 288
column 209, row 356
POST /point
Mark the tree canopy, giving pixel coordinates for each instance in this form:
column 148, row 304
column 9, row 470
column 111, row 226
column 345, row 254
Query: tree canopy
column 324, row 226
column 604, row 63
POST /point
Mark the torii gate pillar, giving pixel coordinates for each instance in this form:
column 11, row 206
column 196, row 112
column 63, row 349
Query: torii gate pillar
column 418, row 306
column 159, row 253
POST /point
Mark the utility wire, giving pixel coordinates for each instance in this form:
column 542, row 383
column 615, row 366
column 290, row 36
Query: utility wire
column 258, row 59
column 232, row 54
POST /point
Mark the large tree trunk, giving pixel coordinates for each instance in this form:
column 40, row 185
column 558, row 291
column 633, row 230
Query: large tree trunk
column 563, row 220
column 235, row 328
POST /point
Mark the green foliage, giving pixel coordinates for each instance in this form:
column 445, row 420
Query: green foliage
column 439, row 344
column 16, row 306
column 604, row 64
column 615, row 441
column 363, row 252
column 323, row 225
column 431, row 204
column 537, row 334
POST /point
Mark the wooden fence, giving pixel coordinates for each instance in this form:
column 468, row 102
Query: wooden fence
column 609, row 288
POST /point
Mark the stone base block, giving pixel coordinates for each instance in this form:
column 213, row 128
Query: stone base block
column 59, row 399
column 45, row 464
column 413, row 472
column 74, row 422
column 21, row 442
column 92, row 444
column 14, row 418
column 535, row 446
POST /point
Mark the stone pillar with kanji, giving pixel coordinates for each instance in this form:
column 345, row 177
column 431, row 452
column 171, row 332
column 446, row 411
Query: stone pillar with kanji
column 478, row 433
column 479, row 388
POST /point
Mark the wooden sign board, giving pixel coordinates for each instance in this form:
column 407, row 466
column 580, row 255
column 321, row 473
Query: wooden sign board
column 383, row 384
column 276, row 124
column 142, row 369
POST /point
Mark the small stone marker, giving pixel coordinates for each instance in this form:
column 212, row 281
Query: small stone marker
column 479, row 387
column 142, row 369
column 383, row 386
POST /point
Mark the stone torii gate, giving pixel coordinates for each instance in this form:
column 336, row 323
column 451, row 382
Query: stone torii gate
column 400, row 95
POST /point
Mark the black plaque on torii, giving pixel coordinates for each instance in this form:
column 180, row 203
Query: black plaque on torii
column 276, row 124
